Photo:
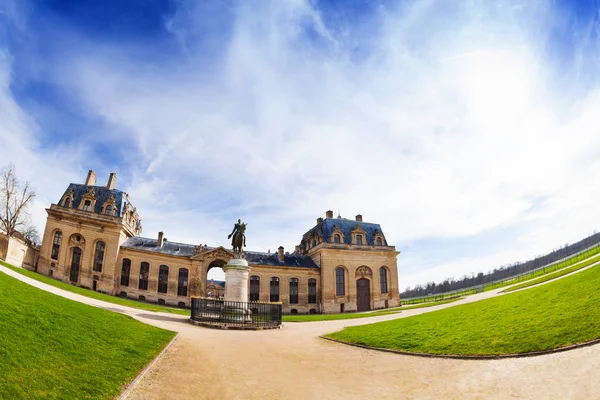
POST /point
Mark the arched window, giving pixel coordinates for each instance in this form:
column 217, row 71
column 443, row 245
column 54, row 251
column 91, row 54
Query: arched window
column 99, row 256
column 67, row 202
column 379, row 241
column 336, row 238
column 182, row 282
column 254, row 288
column 312, row 291
column 274, row 289
column 56, row 245
column 144, row 272
column 340, row 285
column 163, row 279
column 293, row 290
column 108, row 210
column 383, row 279
column 125, row 271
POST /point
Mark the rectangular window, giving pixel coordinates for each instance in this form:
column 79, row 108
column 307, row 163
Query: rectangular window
column 339, row 282
column 144, row 272
column 274, row 292
column 163, row 279
column 358, row 239
column 293, row 290
column 254, row 288
column 86, row 205
column 182, row 282
column 125, row 271
column 312, row 291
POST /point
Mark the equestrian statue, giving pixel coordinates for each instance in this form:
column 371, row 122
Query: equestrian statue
column 239, row 238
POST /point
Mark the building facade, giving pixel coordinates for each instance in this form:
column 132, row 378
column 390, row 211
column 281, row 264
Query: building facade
column 92, row 239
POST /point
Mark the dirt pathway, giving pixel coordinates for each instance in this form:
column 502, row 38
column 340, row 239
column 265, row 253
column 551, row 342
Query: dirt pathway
column 294, row 363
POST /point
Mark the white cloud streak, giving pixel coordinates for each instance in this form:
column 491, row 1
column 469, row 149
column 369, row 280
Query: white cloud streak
column 436, row 121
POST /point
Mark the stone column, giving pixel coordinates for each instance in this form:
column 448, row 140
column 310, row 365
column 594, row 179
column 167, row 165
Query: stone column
column 236, row 280
column 236, row 289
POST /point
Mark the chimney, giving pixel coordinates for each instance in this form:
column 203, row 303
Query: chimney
column 329, row 214
column 91, row 178
column 160, row 239
column 112, row 181
column 319, row 220
column 359, row 218
column 280, row 254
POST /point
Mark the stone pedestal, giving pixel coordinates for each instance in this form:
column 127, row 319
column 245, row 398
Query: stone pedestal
column 236, row 280
column 236, row 289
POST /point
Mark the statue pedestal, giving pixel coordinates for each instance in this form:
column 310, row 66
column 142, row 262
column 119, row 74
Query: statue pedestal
column 236, row 289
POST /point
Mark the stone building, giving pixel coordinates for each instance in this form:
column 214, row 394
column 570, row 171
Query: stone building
column 92, row 239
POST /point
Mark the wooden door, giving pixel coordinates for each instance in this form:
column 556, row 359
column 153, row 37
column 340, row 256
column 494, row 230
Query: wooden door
column 75, row 264
column 363, row 295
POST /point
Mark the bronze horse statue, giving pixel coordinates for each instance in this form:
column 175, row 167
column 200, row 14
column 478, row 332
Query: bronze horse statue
column 239, row 238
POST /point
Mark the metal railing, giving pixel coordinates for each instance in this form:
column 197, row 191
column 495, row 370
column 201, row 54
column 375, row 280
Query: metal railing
column 251, row 314
column 551, row 267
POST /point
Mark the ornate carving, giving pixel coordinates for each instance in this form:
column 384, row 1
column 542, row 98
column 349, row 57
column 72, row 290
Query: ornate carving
column 364, row 272
column 77, row 241
column 198, row 249
column 91, row 192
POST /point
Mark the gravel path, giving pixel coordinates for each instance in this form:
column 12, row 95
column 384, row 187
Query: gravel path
column 294, row 363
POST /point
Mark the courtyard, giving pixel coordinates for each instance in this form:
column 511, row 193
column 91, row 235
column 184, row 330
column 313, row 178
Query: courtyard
column 294, row 362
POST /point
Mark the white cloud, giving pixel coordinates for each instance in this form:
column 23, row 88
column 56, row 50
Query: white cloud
column 435, row 121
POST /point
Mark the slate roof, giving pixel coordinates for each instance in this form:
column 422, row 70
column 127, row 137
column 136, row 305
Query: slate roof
column 170, row 248
column 102, row 194
column 327, row 226
column 187, row 250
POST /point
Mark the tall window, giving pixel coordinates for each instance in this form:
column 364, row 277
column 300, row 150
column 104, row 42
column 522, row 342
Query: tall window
column 274, row 289
column 182, row 282
column 125, row 271
column 144, row 272
column 67, row 202
column 163, row 279
column 379, row 242
column 358, row 239
column 339, row 282
column 108, row 210
column 312, row 291
column 99, row 256
column 383, row 279
column 86, row 205
column 56, row 245
column 293, row 290
column 254, row 288
column 336, row 238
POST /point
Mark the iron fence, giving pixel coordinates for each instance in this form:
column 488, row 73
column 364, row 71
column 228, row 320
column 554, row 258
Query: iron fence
column 256, row 314
column 509, row 280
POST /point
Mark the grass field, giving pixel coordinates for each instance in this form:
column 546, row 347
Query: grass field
column 96, row 295
column 54, row 348
column 555, row 275
column 555, row 315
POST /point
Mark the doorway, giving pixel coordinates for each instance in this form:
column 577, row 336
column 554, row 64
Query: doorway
column 75, row 264
column 363, row 295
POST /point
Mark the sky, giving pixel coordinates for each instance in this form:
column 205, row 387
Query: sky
column 469, row 130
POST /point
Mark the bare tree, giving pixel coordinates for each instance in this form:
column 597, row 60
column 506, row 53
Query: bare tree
column 15, row 198
column 31, row 234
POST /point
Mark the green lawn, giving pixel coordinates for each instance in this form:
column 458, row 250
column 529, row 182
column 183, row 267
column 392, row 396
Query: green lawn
column 555, row 275
column 54, row 348
column 555, row 315
column 96, row 295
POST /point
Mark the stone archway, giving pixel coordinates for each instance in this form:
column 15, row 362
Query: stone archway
column 212, row 288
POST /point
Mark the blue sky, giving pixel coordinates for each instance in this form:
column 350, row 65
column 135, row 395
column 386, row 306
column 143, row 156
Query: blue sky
column 469, row 130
